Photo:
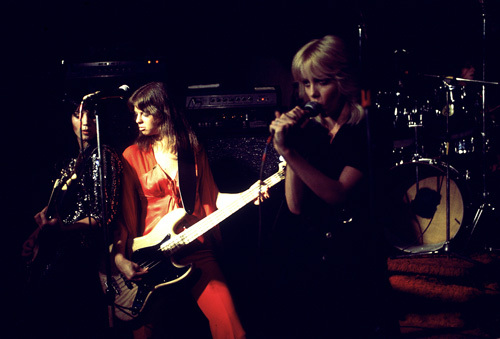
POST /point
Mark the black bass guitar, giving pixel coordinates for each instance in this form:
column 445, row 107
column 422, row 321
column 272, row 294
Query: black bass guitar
column 155, row 252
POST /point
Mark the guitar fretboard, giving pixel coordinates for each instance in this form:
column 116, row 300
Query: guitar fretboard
column 212, row 220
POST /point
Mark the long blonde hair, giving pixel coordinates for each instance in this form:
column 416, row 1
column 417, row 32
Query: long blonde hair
column 328, row 58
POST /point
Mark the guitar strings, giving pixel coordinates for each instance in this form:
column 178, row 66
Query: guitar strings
column 189, row 234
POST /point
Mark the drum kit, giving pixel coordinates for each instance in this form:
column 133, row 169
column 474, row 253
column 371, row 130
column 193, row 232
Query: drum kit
column 438, row 188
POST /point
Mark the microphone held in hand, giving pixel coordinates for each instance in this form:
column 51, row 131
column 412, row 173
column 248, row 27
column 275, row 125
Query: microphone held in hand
column 312, row 109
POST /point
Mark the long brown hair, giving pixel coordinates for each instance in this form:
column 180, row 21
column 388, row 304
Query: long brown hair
column 153, row 99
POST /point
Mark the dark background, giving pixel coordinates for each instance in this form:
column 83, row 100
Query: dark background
column 239, row 44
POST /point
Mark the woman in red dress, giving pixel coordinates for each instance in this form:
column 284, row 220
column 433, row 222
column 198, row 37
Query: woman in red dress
column 151, row 191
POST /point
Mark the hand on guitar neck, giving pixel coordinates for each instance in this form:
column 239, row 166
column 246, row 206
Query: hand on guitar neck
column 225, row 199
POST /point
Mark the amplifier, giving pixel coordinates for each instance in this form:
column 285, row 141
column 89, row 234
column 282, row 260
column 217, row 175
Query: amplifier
column 112, row 69
column 210, row 107
column 260, row 97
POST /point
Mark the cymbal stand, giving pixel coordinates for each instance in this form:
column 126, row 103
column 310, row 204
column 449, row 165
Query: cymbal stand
column 450, row 109
column 485, row 194
column 485, row 204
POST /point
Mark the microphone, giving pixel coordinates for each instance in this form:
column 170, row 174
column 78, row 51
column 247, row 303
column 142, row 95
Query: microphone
column 117, row 93
column 312, row 109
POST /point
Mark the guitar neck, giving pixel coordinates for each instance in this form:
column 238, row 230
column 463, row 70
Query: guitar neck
column 212, row 220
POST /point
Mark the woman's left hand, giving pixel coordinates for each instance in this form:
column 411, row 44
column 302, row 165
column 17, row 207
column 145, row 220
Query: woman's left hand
column 264, row 192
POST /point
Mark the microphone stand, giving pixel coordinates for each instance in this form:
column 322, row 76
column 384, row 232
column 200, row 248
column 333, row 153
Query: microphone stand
column 365, row 104
column 109, row 293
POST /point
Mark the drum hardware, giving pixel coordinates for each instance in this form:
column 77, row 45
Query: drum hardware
column 461, row 143
column 459, row 147
column 485, row 204
column 407, row 116
column 433, row 197
column 448, row 78
column 485, row 194
column 451, row 108
column 418, row 206
column 424, row 199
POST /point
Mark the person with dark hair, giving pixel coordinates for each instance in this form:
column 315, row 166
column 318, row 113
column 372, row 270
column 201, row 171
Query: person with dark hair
column 341, row 283
column 153, row 192
column 65, row 251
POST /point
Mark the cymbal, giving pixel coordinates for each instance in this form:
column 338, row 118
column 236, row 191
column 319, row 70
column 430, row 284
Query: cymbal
column 452, row 78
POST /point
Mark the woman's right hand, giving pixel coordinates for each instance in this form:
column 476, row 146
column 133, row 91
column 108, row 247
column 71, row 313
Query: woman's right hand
column 281, row 126
column 131, row 270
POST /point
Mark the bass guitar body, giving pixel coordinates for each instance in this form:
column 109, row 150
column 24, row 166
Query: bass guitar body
column 131, row 296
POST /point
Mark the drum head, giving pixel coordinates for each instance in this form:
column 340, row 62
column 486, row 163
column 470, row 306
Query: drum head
column 419, row 217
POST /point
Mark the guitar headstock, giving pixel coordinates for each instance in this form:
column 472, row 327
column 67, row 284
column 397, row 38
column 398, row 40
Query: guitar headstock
column 67, row 176
column 61, row 184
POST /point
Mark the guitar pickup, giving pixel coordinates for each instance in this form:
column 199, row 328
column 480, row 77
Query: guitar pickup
column 127, row 282
column 114, row 287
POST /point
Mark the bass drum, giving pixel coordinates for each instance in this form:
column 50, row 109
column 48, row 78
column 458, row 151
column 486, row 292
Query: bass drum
column 417, row 223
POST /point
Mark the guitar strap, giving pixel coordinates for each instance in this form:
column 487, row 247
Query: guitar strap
column 187, row 179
